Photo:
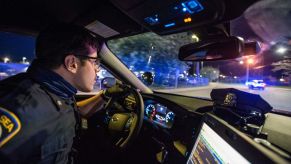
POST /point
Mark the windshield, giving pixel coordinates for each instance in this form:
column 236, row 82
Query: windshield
column 266, row 74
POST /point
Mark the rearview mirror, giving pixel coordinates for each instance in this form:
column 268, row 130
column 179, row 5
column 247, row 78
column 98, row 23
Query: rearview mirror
column 209, row 50
column 251, row 48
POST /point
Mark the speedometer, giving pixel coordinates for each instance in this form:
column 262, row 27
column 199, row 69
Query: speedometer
column 170, row 118
column 150, row 111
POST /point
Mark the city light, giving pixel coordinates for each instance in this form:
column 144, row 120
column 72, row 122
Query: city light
column 282, row 80
column 222, row 76
column 250, row 61
column 272, row 43
column 281, row 50
column 24, row 60
column 6, row 60
column 241, row 62
column 149, row 61
column 131, row 67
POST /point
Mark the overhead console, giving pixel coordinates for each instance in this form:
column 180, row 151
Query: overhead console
column 171, row 16
column 168, row 16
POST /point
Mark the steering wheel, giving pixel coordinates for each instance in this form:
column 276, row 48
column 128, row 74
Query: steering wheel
column 125, row 125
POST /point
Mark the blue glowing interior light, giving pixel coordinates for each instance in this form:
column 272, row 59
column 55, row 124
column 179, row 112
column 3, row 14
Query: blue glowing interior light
column 192, row 6
column 152, row 20
column 170, row 25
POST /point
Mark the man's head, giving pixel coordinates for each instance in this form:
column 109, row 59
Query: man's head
column 70, row 51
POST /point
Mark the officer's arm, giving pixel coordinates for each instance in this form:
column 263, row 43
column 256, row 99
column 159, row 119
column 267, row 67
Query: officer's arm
column 91, row 105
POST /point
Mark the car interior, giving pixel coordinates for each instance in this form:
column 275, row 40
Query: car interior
column 149, row 126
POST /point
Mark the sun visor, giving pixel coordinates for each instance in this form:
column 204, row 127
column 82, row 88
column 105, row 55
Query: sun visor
column 101, row 29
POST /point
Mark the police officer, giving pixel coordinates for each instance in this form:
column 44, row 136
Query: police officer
column 38, row 112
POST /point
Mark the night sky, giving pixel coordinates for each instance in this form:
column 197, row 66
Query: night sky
column 16, row 46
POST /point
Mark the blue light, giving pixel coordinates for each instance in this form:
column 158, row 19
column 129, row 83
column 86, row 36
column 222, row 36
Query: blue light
column 192, row 6
column 152, row 20
column 184, row 7
column 169, row 25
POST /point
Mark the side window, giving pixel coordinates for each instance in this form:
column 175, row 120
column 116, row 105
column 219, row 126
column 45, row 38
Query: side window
column 16, row 53
column 9, row 69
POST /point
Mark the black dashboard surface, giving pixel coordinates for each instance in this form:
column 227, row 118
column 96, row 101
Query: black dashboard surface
column 189, row 103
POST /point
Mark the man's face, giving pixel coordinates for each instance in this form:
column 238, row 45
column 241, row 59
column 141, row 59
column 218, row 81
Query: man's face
column 87, row 72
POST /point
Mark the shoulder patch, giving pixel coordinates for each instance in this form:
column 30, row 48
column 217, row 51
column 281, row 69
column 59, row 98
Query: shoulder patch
column 9, row 126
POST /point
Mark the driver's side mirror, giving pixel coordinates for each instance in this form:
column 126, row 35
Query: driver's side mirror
column 147, row 78
column 108, row 82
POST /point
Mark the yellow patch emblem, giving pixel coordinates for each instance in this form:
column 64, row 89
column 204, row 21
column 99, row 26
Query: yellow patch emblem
column 9, row 126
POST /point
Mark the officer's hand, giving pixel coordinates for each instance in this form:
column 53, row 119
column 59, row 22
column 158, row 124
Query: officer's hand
column 114, row 91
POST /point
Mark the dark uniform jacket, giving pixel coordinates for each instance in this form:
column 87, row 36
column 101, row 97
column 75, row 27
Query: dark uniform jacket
column 37, row 117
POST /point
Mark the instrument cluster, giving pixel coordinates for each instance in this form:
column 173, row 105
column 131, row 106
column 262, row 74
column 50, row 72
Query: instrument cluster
column 159, row 114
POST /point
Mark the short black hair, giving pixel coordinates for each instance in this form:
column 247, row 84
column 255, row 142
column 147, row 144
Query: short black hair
column 58, row 40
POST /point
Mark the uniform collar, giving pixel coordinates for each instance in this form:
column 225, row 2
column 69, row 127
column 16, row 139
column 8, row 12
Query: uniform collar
column 52, row 81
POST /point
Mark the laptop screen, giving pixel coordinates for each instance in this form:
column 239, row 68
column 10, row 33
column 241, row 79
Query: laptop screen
column 211, row 148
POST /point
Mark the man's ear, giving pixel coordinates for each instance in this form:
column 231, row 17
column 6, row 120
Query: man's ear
column 71, row 63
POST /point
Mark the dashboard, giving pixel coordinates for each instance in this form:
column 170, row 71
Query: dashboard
column 158, row 114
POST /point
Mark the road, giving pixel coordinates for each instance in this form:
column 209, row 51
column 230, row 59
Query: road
column 279, row 98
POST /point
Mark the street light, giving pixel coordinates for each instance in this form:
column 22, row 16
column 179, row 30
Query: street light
column 282, row 80
column 149, row 61
column 281, row 50
column 150, row 54
column 6, row 60
column 24, row 59
column 241, row 62
column 249, row 62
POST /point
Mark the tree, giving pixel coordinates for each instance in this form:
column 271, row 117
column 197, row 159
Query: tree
column 151, row 52
column 283, row 65
column 211, row 73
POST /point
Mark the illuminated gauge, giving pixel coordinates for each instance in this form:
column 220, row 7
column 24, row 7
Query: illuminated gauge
column 150, row 111
column 160, row 118
column 170, row 117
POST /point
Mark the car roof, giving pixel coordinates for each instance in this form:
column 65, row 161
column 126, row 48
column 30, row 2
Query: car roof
column 30, row 16
column 107, row 18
